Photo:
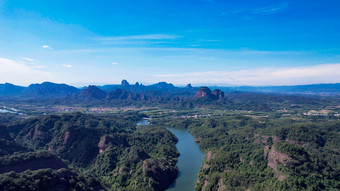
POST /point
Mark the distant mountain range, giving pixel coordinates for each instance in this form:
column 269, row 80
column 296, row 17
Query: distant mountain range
column 46, row 90
column 49, row 90
column 316, row 89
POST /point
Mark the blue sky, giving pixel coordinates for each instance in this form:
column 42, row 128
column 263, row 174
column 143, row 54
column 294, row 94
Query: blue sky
column 245, row 42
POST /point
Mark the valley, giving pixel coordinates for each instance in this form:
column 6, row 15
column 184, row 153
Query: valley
column 194, row 95
column 212, row 140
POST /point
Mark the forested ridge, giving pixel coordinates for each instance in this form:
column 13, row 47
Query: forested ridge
column 86, row 152
column 265, row 153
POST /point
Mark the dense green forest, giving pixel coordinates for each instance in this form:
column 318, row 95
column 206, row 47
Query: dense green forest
column 86, row 152
column 267, row 153
column 256, row 150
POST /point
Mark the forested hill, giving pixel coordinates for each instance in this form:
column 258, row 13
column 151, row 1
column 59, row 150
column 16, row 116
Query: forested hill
column 269, row 153
column 86, row 152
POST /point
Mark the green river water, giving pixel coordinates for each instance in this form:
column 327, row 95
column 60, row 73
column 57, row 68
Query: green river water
column 189, row 161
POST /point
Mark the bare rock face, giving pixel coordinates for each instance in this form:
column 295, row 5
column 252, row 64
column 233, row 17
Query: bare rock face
column 206, row 92
column 203, row 92
column 107, row 141
column 275, row 156
column 218, row 94
column 69, row 137
column 39, row 136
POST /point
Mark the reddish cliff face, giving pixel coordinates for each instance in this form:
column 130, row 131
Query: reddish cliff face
column 206, row 92
column 203, row 92
column 107, row 141
column 218, row 94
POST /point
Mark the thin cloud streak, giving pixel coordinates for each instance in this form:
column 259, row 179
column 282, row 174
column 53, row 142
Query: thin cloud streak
column 325, row 73
column 270, row 9
column 248, row 13
column 28, row 59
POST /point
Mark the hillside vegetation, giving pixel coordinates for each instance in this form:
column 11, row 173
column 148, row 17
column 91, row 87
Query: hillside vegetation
column 265, row 153
column 86, row 152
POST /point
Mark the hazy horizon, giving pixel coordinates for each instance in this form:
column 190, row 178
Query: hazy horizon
column 86, row 84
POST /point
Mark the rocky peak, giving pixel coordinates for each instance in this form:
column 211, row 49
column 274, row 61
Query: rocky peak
column 188, row 86
column 125, row 83
column 203, row 92
column 218, row 94
column 206, row 92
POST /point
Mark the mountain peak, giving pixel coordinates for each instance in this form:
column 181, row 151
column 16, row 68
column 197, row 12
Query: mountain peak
column 92, row 92
column 189, row 86
column 125, row 83
column 206, row 92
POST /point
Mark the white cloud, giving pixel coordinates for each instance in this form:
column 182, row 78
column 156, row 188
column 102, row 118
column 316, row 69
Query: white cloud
column 114, row 63
column 28, row 59
column 325, row 73
column 47, row 47
column 67, row 66
column 270, row 9
column 18, row 73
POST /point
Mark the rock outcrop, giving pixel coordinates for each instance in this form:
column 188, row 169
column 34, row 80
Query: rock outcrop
column 107, row 141
column 218, row 94
column 189, row 86
column 203, row 92
column 125, row 83
column 206, row 92
column 275, row 156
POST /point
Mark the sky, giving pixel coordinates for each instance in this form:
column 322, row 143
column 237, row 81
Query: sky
column 211, row 42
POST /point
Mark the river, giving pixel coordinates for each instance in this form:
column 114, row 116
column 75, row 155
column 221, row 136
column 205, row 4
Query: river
column 189, row 161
